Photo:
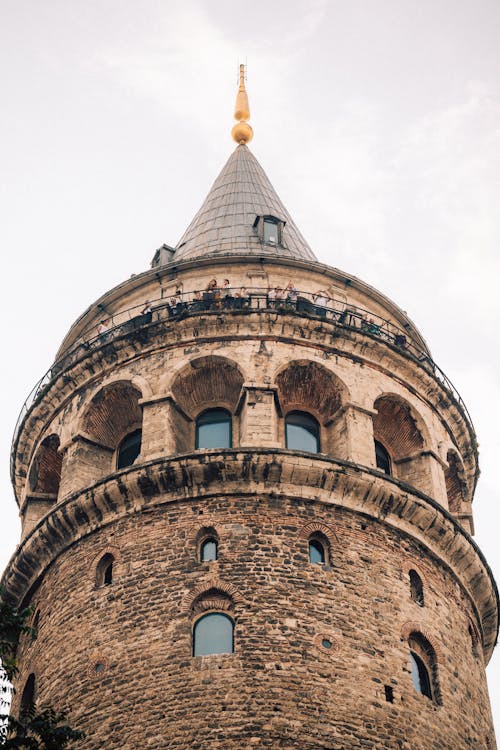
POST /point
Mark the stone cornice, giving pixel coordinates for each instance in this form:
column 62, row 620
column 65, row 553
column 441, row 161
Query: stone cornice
column 258, row 472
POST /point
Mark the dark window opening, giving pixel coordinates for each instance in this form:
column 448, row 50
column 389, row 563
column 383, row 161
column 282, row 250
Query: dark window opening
column 317, row 554
column 382, row 458
column 208, row 550
column 214, row 429
column 389, row 693
column 416, row 588
column 129, row 449
column 28, row 696
column 104, row 570
column 302, row 432
column 213, row 634
column 420, row 675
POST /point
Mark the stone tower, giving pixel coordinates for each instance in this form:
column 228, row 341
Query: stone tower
column 246, row 506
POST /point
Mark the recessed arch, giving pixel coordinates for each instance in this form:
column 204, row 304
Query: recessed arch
column 456, row 486
column 424, row 666
column 113, row 412
column 400, row 430
column 45, row 471
column 397, row 426
column 28, row 696
column 207, row 382
column 305, row 385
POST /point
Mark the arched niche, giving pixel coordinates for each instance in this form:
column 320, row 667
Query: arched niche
column 306, row 387
column 113, row 414
column 45, row 471
column 205, row 383
column 399, row 431
column 456, row 487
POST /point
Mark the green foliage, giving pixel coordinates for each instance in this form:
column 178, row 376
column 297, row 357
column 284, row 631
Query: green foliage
column 44, row 729
column 38, row 730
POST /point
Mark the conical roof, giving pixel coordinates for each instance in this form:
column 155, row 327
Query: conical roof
column 226, row 224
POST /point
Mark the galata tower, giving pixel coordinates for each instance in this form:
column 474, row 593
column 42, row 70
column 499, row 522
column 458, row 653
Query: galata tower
column 246, row 493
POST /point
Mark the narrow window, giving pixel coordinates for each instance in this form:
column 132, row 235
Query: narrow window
column 213, row 634
column 129, row 449
column 28, row 696
column 213, row 429
column 316, row 552
column 423, row 663
column 104, row 570
column 302, row 432
column 382, row 458
column 389, row 693
column 416, row 588
column 208, row 550
column 420, row 675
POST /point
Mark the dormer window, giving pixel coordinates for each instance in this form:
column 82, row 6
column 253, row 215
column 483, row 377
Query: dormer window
column 270, row 229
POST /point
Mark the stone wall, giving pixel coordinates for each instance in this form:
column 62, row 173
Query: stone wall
column 281, row 687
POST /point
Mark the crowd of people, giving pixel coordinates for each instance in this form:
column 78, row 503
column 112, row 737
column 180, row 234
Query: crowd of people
column 225, row 297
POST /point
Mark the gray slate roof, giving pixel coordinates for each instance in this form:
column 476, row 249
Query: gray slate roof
column 224, row 223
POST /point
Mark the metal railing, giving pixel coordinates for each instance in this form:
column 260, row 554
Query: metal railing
column 229, row 301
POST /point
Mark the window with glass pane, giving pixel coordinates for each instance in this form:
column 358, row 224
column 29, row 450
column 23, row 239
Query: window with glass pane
column 213, row 634
column 208, row 550
column 316, row 552
column 271, row 229
column 420, row 675
column 213, row 429
column 302, row 432
column 382, row 457
column 129, row 449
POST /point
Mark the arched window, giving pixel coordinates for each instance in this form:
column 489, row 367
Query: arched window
column 208, row 549
column 416, row 588
column 213, row 634
column 28, row 696
column 420, row 675
column 382, row 458
column 423, row 667
column 104, row 570
column 214, row 429
column 129, row 449
column 317, row 554
column 301, row 432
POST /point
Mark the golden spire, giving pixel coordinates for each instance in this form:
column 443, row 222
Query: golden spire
column 242, row 131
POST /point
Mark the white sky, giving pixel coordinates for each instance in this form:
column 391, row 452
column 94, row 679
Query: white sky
column 378, row 122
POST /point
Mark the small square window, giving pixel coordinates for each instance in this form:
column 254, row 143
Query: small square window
column 270, row 229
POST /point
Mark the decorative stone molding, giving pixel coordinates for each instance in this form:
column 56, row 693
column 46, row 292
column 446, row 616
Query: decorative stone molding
column 265, row 471
column 212, row 589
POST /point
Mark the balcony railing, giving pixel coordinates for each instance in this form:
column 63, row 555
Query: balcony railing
column 230, row 301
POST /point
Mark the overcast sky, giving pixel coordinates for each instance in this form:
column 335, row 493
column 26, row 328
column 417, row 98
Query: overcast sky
column 377, row 121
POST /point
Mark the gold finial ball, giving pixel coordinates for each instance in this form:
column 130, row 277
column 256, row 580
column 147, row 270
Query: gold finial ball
column 242, row 132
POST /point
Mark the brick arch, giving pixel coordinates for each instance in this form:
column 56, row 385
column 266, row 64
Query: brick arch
column 207, row 381
column 307, row 385
column 418, row 628
column 408, row 565
column 45, row 471
column 113, row 412
column 316, row 527
column 400, row 430
column 211, row 589
column 456, row 486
